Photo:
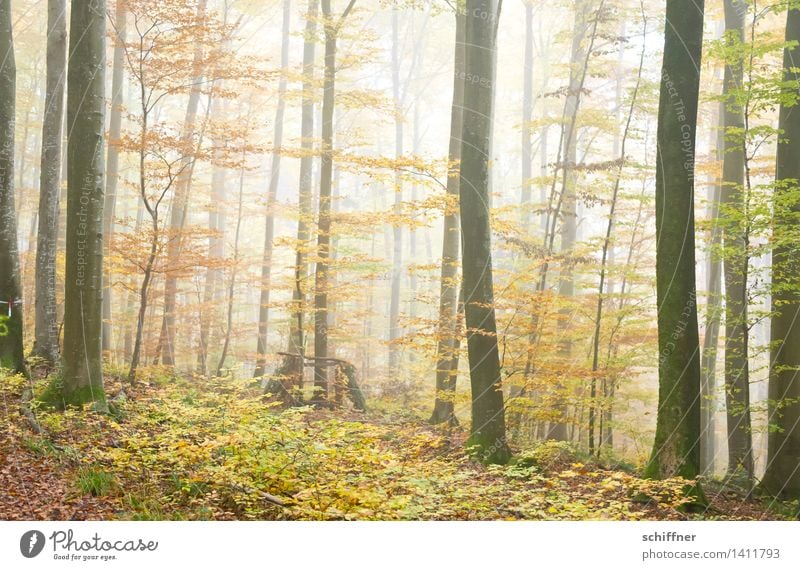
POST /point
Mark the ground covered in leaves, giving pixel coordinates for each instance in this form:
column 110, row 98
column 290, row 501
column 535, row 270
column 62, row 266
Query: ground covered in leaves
column 216, row 450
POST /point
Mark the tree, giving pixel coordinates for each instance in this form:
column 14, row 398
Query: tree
column 11, row 352
column 446, row 370
column 83, row 318
column 296, row 343
column 563, row 205
column 272, row 198
column 112, row 160
column 782, row 476
column 735, row 258
column 159, row 68
column 487, row 432
column 331, row 26
column 46, row 335
column 676, row 450
column 395, row 329
column 605, row 261
column 183, row 184
column 708, row 363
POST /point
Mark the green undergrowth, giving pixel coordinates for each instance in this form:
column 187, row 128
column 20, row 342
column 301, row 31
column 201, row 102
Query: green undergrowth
column 192, row 448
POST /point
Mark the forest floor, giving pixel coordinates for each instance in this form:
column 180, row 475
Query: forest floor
column 178, row 449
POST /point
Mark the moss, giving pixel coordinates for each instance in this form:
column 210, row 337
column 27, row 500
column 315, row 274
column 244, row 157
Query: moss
column 486, row 450
column 55, row 395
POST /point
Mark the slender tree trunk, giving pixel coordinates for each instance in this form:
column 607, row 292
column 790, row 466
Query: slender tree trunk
column 566, row 208
column 232, row 283
column 46, row 340
column 527, row 110
column 713, row 315
column 216, row 246
column 296, row 344
column 11, row 352
column 676, row 450
column 112, row 164
column 446, row 373
column 488, row 431
column 331, row 27
column 324, row 209
column 130, row 301
column 183, row 184
column 397, row 229
column 735, row 262
column 272, row 198
column 604, row 263
column 782, row 477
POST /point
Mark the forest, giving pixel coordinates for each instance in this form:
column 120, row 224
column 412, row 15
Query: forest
column 399, row 260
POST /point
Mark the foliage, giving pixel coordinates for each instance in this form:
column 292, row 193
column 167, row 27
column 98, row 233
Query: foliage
column 190, row 448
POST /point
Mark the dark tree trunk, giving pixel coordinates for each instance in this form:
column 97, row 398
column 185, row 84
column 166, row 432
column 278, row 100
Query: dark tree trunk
column 782, row 477
column 11, row 351
column 83, row 316
column 321, row 277
column 676, row 450
column 488, row 431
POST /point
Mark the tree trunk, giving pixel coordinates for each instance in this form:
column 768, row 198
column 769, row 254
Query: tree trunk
column 567, row 201
column 527, row 110
column 676, row 450
column 46, row 340
column 324, row 209
column 735, row 262
column 713, row 313
column 488, row 431
column 112, row 164
column 446, row 375
column 397, row 228
column 216, row 246
column 231, row 289
column 11, row 352
column 331, row 28
column 296, row 344
column 606, row 262
column 83, row 316
column 782, row 477
column 183, row 184
column 272, row 198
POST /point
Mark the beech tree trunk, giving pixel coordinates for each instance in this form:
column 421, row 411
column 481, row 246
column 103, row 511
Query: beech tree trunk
column 296, row 343
column 46, row 337
column 11, row 352
column 488, row 430
column 272, row 198
column 83, row 289
column 397, row 229
column 177, row 219
column 446, row 373
column 676, row 450
column 112, row 163
column 782, row 477
column 735, row 261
